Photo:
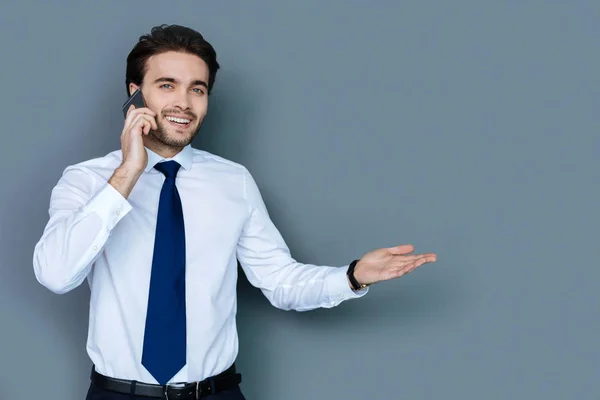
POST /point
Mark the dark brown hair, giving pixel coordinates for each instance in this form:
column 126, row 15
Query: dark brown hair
column 165, row 38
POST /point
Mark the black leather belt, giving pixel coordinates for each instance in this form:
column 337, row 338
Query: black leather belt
column 227, row 379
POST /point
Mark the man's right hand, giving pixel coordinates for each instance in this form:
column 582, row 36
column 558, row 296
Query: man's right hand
column 138, row 122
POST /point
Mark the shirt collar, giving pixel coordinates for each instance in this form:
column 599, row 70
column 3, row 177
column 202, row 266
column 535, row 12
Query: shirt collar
column 184, row 158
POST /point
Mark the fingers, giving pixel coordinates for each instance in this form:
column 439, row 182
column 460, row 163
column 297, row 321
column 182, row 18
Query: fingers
column 415, row 264
column 407, row 269
column 136, row 118
column 133, row 112
column 413, row 257
column 147, row 121
column 410, row 263
column 144, row 122
column 402, row 249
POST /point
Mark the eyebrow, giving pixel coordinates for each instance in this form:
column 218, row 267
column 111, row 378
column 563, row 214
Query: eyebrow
column 197, row 82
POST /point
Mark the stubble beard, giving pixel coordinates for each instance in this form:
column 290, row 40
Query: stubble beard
column 161, row 135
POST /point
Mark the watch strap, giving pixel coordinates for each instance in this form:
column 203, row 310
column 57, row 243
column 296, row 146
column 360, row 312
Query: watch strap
column 352, row 279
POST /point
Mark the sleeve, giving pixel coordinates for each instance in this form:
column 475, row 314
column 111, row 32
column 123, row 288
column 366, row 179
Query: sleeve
column 83, row 211
column 266, row 260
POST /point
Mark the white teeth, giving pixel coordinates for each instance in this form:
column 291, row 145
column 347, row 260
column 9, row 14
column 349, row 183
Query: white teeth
column 179, row 120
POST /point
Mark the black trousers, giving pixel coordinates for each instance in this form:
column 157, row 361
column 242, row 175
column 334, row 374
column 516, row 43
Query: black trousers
column 96, row 393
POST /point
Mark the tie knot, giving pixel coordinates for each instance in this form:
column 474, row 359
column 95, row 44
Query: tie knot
column 168, row 168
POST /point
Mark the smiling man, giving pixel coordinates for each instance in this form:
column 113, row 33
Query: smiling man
column 179, row 117
column 157, row 227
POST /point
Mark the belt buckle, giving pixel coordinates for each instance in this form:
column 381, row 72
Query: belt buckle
column 198, row 391
column 166, row 392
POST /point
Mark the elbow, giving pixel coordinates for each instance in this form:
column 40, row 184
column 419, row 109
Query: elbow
column 283, row 306
column 52, row 282
column 285, row 302
column 51, row 277
column 278, row 301
column 56, row 289
column 293, row 307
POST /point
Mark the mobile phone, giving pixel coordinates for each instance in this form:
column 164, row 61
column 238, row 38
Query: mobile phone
column 136, row 99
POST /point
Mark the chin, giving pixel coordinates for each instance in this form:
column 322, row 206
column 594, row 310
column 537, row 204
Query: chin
column 175, row 137
column 177, row 142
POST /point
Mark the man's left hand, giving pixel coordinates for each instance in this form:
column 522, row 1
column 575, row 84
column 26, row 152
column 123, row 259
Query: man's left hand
column 389, row 263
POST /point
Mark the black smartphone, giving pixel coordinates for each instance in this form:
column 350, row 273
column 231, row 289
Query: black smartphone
column 136, row 99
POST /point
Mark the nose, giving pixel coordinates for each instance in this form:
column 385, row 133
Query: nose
column 182, row 100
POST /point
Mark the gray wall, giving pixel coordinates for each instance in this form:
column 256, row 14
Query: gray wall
column 465, row 128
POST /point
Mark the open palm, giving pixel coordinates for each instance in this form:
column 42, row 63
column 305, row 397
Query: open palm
column 389, row 263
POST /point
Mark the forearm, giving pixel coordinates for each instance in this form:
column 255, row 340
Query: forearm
column 124, row 179
column 303, row 287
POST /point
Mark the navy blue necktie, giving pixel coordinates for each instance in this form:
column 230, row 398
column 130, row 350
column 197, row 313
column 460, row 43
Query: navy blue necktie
column 164, row 351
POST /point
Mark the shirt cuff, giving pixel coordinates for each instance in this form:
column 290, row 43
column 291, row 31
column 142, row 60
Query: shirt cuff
column 339, row 288
column 110, row 205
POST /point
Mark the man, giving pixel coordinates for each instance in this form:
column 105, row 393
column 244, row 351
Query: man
column 157, row 228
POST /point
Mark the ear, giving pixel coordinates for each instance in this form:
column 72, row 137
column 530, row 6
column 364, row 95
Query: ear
column 132, row 88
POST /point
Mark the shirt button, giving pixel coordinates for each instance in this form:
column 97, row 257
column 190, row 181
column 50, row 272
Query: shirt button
column 95, row 248
column 118, row 212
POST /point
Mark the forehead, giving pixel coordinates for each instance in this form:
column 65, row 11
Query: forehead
column 184, row 67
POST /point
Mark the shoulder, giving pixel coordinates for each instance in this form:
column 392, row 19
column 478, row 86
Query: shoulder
column 211, row 160
column 228, row 170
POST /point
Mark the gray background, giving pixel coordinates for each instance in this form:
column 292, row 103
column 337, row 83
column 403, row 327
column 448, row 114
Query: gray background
column 465, row 128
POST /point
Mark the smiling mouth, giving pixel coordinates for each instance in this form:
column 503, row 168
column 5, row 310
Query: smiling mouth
column 178, row 121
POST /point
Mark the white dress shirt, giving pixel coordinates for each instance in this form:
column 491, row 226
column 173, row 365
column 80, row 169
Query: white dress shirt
column 95, row 233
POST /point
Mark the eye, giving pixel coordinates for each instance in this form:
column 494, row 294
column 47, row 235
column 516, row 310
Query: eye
column 198, row 90
column 165, row 86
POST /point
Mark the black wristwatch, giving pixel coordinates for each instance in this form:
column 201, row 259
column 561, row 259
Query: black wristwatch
column 352, row 279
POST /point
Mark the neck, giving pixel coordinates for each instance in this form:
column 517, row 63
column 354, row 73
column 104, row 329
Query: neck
column 159, row 147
